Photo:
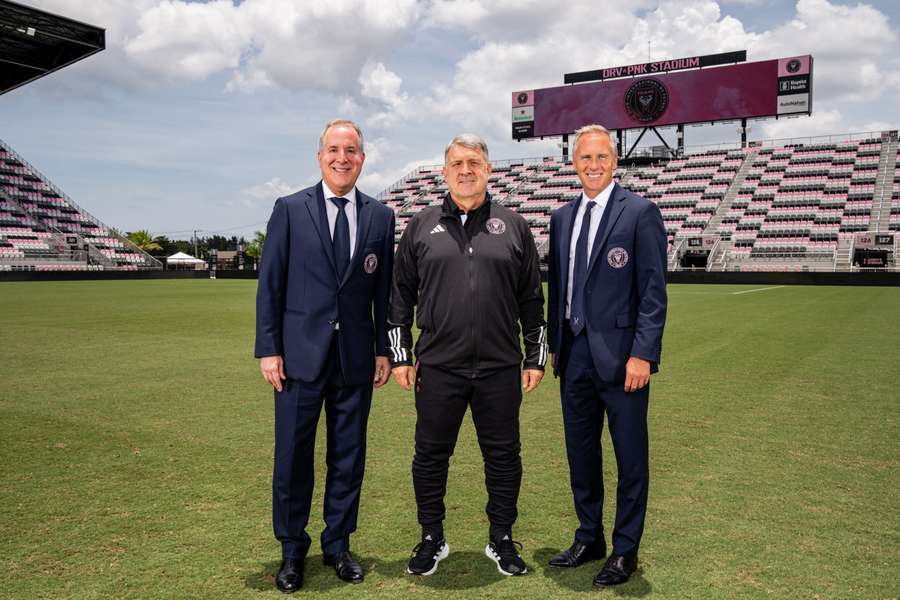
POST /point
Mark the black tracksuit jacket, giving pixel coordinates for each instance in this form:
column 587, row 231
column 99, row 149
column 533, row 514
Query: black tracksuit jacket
column 471, row 285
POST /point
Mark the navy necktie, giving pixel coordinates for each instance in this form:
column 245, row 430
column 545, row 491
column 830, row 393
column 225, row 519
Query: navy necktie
column 579, row 273
column 341, row 239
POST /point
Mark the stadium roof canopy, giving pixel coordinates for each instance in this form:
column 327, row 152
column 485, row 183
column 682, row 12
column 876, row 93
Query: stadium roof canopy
column 34, row 43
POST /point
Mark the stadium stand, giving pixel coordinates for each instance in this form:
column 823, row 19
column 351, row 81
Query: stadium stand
column 42, row 229
column 774, row 206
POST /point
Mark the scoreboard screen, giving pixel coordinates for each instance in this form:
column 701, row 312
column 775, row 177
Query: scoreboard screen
column 767, row 88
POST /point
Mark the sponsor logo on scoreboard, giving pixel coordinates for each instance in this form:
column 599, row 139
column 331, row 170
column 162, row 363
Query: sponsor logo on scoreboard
column 646, row 100
column 523, row 130
column 520, row 114
column 793, row 103
column 793, row 85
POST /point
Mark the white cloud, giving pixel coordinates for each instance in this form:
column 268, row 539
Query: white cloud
column 293, row 44
column 378, row 83
column 269, row 190
column 854, row 48
column 189, row 40
column 382, row 87
column 324, row 46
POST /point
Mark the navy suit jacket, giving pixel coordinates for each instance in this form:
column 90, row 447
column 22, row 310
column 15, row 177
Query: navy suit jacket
column 625, row 292
column 299, row 298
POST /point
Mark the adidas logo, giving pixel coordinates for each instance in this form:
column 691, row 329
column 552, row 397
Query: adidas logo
column 438, row 228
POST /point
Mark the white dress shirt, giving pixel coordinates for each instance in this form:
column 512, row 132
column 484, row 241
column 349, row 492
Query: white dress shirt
column 596, row 214
column 331, row 210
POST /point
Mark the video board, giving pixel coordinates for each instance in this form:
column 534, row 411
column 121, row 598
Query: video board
column 769, row 88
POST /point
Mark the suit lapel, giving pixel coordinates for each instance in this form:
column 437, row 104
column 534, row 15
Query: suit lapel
column 363, row 220
column 316, row 205
column 567, row 222
column 614, row 208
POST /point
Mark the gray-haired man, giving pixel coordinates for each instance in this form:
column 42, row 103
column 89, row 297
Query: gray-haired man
column 470, row 268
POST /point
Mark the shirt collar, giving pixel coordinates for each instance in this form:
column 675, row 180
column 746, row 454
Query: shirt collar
column 350, row 196
column 601, row 199
column 450, row 208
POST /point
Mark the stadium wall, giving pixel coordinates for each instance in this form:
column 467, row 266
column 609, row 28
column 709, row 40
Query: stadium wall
column 868, row 278
column 97, row 275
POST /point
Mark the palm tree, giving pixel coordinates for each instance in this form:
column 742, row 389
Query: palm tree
column 255, row 247
column 143, row 240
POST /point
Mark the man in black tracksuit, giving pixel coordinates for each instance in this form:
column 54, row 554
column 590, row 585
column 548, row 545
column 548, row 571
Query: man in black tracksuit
column 470, row 268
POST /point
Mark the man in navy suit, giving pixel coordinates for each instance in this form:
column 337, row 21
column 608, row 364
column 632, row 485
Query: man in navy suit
column 607, row 308
column 321, row 337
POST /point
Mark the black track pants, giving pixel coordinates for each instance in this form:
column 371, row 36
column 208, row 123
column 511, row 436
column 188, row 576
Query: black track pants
column 441, row 401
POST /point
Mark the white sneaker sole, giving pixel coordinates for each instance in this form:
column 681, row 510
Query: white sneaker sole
column 443, row 553
column 490, row 554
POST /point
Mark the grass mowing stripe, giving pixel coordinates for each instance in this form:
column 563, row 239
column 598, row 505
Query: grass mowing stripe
column 776, row 287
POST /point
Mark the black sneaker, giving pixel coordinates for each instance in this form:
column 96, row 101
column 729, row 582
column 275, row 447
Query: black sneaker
column 426, row 556
column 505, row 553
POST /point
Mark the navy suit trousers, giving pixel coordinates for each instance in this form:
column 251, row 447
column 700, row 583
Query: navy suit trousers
column 297, row 410
column 585, row 400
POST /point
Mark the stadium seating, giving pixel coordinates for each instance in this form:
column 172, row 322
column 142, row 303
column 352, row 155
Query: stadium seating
column 772, row 206
column 775, row 206
column 42, row 229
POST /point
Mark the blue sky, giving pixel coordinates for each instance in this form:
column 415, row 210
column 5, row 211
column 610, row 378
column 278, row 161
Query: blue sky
column 199, row 114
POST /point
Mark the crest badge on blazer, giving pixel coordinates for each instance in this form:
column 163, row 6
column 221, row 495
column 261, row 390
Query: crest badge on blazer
column 617, row 257
column 370, row 264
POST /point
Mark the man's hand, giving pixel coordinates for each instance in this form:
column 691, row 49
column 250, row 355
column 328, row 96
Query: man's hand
column 405, row 376
column 382, row 370
column 531, row 378
column 272, row 369
column 637, row 374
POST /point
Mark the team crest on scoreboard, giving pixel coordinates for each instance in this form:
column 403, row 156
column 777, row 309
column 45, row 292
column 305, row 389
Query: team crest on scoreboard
column 646, row 100
column 496, row 226
column 370, row 264
column 617, row 257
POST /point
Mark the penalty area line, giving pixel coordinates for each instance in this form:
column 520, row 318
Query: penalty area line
column 756, row 290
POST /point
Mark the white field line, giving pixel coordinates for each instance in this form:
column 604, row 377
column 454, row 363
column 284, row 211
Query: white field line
column 757, row 290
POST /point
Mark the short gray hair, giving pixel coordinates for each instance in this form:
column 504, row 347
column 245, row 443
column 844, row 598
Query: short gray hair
column 336, row 122
column 468, row 140
column 589, row 129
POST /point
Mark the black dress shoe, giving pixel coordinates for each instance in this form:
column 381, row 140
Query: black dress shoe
column 345, row 567
column 578, row 553
column 617, row 570
column 290, row 575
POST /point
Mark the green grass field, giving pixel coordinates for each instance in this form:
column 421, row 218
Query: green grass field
column 136, row 450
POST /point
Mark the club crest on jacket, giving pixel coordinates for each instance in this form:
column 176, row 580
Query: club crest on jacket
column 495, row 226
column 617, row 257
column 370, row 264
